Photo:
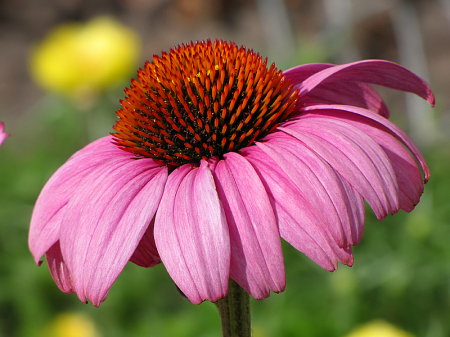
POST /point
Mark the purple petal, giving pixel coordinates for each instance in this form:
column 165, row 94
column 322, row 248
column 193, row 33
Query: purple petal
column 105, row 220
column 58, row 269
column 191, row 234
column 50, row 206
column 378, row 72
column 299, row 222
column 256, row 255
column 146, row 255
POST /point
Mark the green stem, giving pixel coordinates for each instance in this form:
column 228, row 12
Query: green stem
column 235, row 312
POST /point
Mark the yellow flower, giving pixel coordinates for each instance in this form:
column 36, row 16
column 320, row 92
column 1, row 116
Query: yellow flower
column 72, row 325
column 379, row 328
column 79, row 57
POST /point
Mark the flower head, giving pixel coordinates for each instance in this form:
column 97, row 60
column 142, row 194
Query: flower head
column 215, row 157
column 3, row 134
column 85, row 57
column 201, row 101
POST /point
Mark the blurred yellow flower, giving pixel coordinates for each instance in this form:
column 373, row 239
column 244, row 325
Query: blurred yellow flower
column 379, row 328
column 79, row 57
column 72, row 325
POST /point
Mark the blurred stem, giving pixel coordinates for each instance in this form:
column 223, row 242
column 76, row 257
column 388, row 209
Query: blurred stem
column 234, row 312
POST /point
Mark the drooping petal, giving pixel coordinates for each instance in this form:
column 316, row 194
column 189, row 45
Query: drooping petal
column 336, row 92
column 349, row 93
column 349, row 203
column 358, row 173
column 256, row 255
column 358, row 209
column 311, row 188
column 58, row 269
column 299, row 222
column 362, row 150
column 298, row 74
column 376, row 121
column 320, row 184
column 407, row 173
column 50, row 205
column 380, row 72
column 96, row 237
column 146, row 255
column 191, row 234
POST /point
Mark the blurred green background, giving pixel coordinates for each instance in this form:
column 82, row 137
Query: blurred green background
column 401, row 272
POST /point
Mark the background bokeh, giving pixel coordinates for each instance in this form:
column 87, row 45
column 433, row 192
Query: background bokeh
column 401, row 272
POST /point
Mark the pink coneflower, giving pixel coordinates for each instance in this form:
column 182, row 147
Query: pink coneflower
column 3, row 134
column 215, row 157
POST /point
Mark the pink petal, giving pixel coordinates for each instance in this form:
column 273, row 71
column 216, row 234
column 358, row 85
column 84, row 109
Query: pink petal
column 310, row 187
column 256, row 255
column 191, row 234
column 146, row 255
column 338, row 92
column 3, row 134
column 358, row 208
column 349, row 93
column 321, row 186
column 58, row 269
column 407, row 173
column 298, row 74
column 50, row 206
column 378, row 72
column 367, row 152
column 299, row 222
column 349, row 203
column 376, row 121
column 106, row 219
column 358, row 173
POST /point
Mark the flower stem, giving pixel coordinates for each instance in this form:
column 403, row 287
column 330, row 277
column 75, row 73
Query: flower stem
column 235, row 312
